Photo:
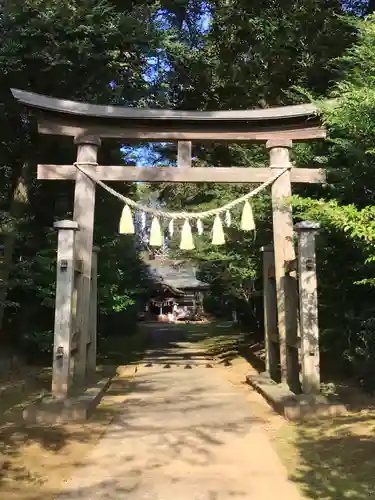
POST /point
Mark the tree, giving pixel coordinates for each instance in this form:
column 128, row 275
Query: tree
column 72, row 50
column 253, row 54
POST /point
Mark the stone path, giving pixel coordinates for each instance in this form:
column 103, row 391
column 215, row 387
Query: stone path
column 182, row 434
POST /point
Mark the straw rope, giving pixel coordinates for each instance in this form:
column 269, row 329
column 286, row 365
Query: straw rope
column 180, row 215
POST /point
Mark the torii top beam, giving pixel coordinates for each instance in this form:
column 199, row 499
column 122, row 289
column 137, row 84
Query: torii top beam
column 71, row 118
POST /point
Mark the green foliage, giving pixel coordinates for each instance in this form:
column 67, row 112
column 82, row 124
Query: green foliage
column 245, row 55
column 261, row 54
column 72, row 50
column 50, row 46
column 254, row 54
column 346, row 248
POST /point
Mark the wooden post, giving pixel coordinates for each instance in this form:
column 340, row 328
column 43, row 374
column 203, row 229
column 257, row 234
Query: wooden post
column 184, row 154
column 308, row 299
column 84, row 208
column 283, row 251
column 200, row 303
column 91, row 354
column 63, row 308
column 270, row 314
column 292, row 330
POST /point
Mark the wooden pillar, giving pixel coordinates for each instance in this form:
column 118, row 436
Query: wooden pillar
column 283, row 253
column 84, row 208
column 270, row 314
column 308, row 299
column 292, row 330
column 200, row 303
column 91, row 353
column 184, row 154
column 63, row 309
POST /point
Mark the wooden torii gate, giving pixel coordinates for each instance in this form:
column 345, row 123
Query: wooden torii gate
column 277, row 127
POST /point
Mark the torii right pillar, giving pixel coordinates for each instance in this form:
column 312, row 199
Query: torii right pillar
column 284, row 253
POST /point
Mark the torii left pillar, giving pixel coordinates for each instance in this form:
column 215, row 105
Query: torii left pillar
column 84, row 209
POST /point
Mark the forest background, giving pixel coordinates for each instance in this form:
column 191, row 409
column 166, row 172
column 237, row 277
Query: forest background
column 196, row 55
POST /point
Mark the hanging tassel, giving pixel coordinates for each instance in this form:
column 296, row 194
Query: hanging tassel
column 171, row 228
column 156, row 237
column 228, row 218
column 247, row 219
column 199, row 227
column 218, row 237
column 126, row 225
column 143, row 221
column 187, row 242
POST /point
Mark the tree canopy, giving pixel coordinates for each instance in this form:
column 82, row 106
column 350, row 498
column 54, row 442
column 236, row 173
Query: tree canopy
column 190, row 54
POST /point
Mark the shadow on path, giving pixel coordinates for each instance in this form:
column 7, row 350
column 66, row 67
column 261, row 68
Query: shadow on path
column 180, row 434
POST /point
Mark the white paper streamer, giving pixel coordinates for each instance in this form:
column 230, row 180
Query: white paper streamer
column 143, row 221
column 199, row 226
column 171, row 227
column 228, row 218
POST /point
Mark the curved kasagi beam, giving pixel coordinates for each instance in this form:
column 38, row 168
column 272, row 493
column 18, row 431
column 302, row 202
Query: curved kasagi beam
column 64, row 106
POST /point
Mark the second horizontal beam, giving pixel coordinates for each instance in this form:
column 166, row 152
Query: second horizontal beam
column 172, row 174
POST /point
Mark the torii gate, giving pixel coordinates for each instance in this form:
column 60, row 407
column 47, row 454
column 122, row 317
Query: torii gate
column 276, row 127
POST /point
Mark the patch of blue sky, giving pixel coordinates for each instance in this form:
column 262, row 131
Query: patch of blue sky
column 358, row 7
column 147, row 154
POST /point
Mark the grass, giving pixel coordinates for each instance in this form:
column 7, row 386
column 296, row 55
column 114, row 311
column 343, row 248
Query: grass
column 225, row 343
column 123, row 349
column 331, row 459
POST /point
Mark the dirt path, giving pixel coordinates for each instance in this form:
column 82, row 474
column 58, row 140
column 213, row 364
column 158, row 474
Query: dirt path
column 321, row 456
column 184, row 431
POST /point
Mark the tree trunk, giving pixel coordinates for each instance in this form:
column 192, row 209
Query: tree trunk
column 371, row 7
column 18, row 204
column 3, row 14
column 3, row 7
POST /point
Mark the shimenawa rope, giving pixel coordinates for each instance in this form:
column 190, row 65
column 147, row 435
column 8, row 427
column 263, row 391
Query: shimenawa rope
column 180, row 215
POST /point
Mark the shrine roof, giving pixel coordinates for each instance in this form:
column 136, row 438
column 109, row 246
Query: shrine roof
column 176, row 275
